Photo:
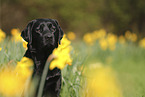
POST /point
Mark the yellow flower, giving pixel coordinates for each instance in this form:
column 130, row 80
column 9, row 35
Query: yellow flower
column 64, row 43
column 88, row 38
column 24, row 44
column 131, row 36
column 121, row 39
column 142, row 43
column 10, row 84
column 62, row 55
column 2, row 35
column 0, row 48
column 112, row 39
column 16, row 35
column 100, row 81
column 128, row 35
column 24, row 67
column 134, row 37
column 103, row 43
column 98, row 34
column 12, row 80
column 15, row 32
column 71, row 35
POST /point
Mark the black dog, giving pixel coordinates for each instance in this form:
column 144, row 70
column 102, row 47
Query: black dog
column 43, row 36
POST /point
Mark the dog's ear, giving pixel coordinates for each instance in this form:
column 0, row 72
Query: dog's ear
column 27, row 32
column 60, row 33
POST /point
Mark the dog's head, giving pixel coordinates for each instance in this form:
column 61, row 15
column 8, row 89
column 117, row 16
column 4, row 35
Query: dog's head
column 42, row 33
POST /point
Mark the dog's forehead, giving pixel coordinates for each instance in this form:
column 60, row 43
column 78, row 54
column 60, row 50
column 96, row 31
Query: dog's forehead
column 44, row 21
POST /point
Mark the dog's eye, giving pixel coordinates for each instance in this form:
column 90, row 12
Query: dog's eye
column 51, row 27
column 40, row 28
column 37, row 30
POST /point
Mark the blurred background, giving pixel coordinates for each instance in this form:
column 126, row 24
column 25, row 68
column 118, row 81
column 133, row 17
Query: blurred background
column 107, row 38
column 79, row 16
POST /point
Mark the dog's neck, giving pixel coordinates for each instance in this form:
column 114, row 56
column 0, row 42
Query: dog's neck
column 39, row 57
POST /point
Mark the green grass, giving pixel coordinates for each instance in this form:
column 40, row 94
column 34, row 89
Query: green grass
column 127, row 61
column 11, row 51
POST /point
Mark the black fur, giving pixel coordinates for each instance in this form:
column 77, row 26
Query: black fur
column 43, row 36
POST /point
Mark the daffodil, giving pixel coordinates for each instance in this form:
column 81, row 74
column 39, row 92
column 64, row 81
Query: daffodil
column 134, row 37
column 100, row 81
column 24, row 44
column 24, row 67
column 16, row 35
column 13, row 79
column 62, row 55
column 88, row 38
column 2, row 35
column 131, row 36
column 10, row 84
column 98, row 34
column 122, row 39
column 0, row 48
column 128, row 35
column 112, row 39
column 142, row 43
column 71, row 35
column 103, row 44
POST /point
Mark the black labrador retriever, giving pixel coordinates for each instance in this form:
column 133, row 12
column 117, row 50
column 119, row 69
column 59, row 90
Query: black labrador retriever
column 43, row 36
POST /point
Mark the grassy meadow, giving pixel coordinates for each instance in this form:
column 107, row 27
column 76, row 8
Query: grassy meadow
column 104, row 65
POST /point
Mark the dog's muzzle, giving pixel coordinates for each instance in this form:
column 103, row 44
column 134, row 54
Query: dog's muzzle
column 48, row 38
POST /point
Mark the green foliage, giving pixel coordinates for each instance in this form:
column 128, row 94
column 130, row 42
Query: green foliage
column 126, row 60
column 128, row 63
column 75, row 15
column 11, row 52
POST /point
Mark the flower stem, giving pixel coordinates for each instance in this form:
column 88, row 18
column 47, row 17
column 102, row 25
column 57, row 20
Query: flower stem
column 42, row 82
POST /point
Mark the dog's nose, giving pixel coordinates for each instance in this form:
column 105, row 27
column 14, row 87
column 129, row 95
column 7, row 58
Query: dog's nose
column 47, row 34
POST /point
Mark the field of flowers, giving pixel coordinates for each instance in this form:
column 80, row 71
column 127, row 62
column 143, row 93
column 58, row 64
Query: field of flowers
column 101, row 65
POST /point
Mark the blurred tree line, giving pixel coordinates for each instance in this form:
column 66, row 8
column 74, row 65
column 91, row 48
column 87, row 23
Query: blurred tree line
column 79, row 16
